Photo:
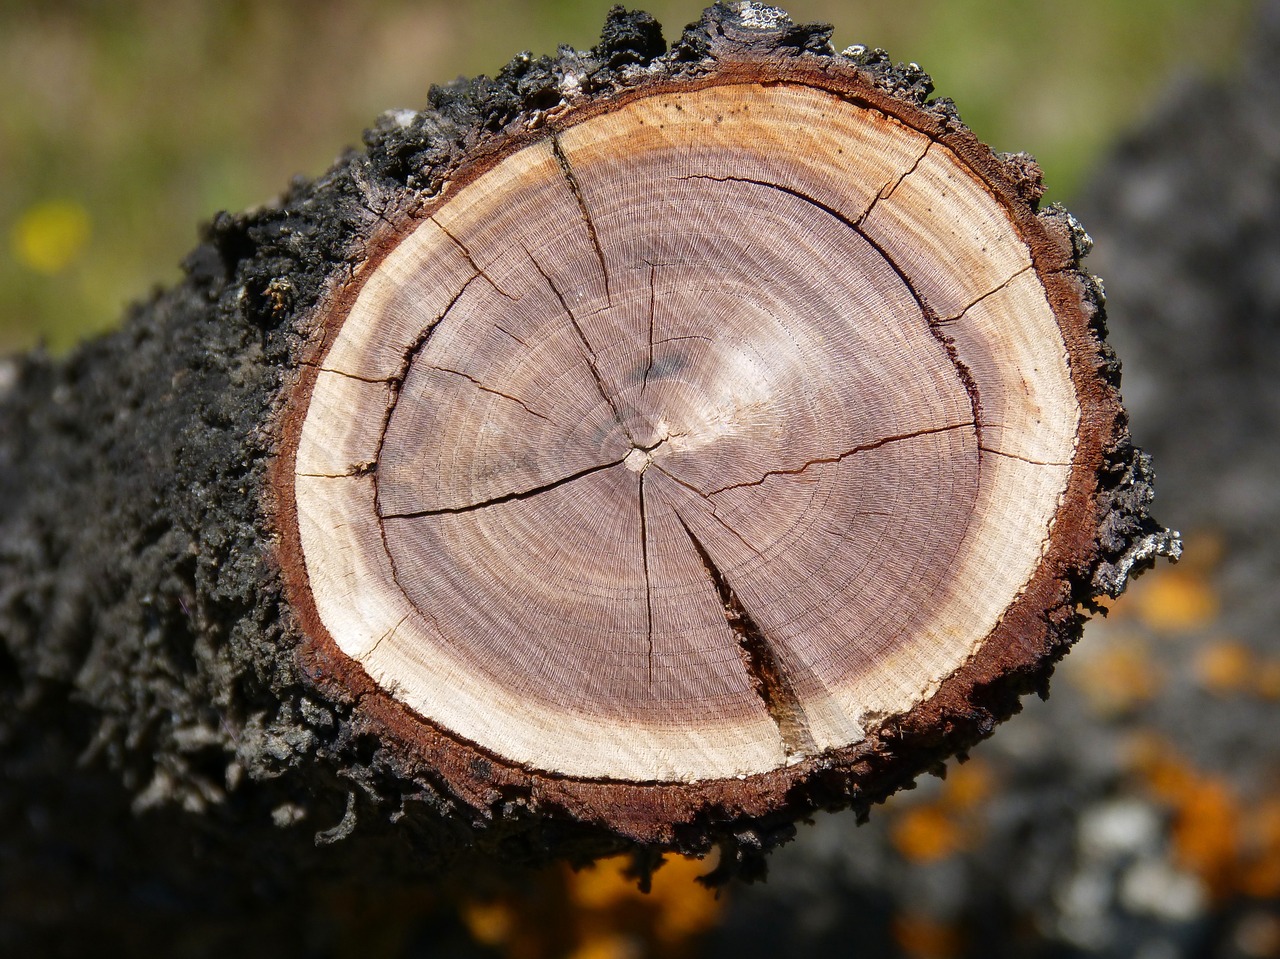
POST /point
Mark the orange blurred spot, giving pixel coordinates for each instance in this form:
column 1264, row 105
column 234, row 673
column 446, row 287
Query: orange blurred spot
column 1266, row 681
column 685, row 907
column 1119, row 678
column 676, row 908
column 490, row 923
column 1225, row 667
column 968, row 785
column 926, row 834
column 1261, row 875
column 920, row 937
column 607, row 947
column 1206, row 836
column 1174, row 599
column 603, row 884
column 1205, row 831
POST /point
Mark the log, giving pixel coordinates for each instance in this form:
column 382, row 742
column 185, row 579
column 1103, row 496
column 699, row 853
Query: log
column 642, row 447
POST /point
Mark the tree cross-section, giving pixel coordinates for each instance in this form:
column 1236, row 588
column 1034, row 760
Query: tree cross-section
column 698, row 436
column 668, row 443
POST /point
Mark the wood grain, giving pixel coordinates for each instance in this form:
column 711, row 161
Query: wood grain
column 695, row 438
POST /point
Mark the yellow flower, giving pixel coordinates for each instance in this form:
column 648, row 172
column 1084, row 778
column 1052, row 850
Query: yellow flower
column 50, row 235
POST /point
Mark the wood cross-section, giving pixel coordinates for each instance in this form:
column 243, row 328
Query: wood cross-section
column 697, row 438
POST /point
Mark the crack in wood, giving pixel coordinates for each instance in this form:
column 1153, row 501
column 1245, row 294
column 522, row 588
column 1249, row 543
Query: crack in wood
column 897, row 438
column 992, row 292
column 1023, row 459
column 396, row 380
column 396, row 384
column 738, row 536
column 790, row 191
column 382, row 380
column 692, row 336
column 763, row 665
column 648, row 584
column 387, row 635
column 406, row 361
column 355, row 470
column 967, row 379
column 714, row 514
column 489, row 389
column 502, row 329
column 505, row 497
column 891, row 187
column 931, row 319
column 576, row 188
column 589, row 354
column 653, row 297
column 466, row 253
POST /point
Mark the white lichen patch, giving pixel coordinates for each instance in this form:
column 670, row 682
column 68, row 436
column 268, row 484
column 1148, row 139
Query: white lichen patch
column 761, row 17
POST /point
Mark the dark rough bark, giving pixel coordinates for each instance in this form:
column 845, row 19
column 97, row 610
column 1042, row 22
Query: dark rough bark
column 141, row 616
column 153, row 719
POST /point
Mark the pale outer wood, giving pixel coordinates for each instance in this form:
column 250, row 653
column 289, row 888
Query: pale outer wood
column 911, row 197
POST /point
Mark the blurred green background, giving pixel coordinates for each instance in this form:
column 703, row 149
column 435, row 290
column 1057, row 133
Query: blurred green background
column 125, row 124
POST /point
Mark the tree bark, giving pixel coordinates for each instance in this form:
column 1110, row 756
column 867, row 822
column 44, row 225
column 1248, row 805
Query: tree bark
column 315, row 547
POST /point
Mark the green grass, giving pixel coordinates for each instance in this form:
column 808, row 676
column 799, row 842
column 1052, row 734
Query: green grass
column 148, row 117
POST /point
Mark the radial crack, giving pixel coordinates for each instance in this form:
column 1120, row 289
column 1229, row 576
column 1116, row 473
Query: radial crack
column 380, row 380
column 466, row 253
column 354, row 470
column 761, row 660
column 890, row 188
column 653, row 298
column 692, row 336
column 502, row 329
column 364, row 657
column 1023, row 459
column 505, row 498
column 589, row 354
column 989, row 293
column 738, row 536
column 841, row 456
column 576, row 188
column 714, row 514
column 489, row 389
column 648, row 586
column 931, row 319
